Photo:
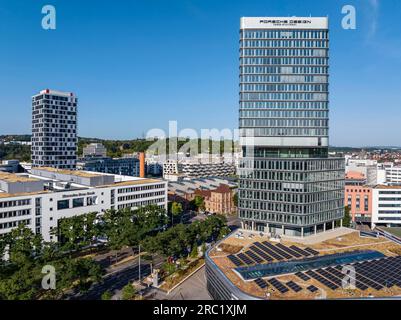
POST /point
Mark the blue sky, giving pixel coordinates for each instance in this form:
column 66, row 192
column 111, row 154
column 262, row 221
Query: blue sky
column 136, row 64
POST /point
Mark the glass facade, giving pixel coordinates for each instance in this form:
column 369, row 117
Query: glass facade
column 288, row 184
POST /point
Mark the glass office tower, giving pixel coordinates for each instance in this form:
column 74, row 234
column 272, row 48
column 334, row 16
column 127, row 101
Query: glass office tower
column 288, row 183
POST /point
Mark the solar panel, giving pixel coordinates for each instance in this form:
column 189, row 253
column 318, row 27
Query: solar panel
column 254, row 256
column 302, row 276
column 269, row 251
column 277, row 250
column 261, row 283
column 278, row 285
column 235, row 260
column 245, row 258
column 322, row 280
column 293, row 286
column 312, row 288
column 261, row 253
column 312, row 251
column 288, row 250
column 300, row 251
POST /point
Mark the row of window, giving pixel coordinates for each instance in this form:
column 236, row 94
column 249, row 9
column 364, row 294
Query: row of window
column 284, row 61
column 13, row 224
column 291, row 176
column 284, row 43
column 291, row 165
column 290, row 197
column 284, row 105
column 13, row 214
column 283, row 70
column 321, row 186
column 140, row 188
column 283, row 96
column 142, row 203
column 289, row 34
column 283, row 78
column 283, row 123
column 282, row 114
column 292, row 208
column 141, row 195
column 292, row 219
column 284, row 87
column 15, row 203
column 274, row 132
column 284, row 52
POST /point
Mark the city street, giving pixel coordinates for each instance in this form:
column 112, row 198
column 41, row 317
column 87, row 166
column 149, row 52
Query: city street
column 194, row 288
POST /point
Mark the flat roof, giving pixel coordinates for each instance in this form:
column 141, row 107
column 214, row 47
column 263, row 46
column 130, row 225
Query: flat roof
column 76, row 173
column 132, row 182
column 22, row 194
column 336, row 250
column 12, row 177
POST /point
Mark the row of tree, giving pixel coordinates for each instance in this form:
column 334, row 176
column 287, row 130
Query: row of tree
column 181, row 239
column 33, row 265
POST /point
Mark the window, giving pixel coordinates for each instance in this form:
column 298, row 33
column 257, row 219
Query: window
column 63, row 204
column 78, row 202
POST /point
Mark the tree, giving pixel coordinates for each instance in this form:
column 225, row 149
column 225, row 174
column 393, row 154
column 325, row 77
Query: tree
column 199, row 202
column 194, row 252
column 128, row 292
column 204, row 248
column 24, row 245
column 107, row 295
column 347, row 217
column 176, row 209
column 235, row 199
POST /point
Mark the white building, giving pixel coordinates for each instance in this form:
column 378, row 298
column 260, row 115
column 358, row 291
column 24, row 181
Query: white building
column 94, row 150
column 54, row 129
column 45, row 195
column 393, row 174
column 369, row 168
column 386, row 205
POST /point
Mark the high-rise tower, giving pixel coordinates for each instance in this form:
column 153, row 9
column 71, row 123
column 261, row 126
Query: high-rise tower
column 54, row 129
column 288, row 184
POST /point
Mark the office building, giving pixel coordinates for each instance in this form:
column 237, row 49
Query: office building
column 42, row 197
column 288, row 183
column 123, row 166
column 386, row 202
column 54, row 129
column 173, row 170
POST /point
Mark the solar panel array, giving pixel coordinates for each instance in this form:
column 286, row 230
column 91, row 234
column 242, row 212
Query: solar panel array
column 288, row 250
column 302, row 276
column 312, row 251
column 377, row 274
column 277, row 250
column 300, row 251
column 312, row 288
column 254, row 256
column 244, row 258
column 322, row 280
column 235, row 260
column 261, row 283
column 278, row 285
column 293, row 286
column 261, row 253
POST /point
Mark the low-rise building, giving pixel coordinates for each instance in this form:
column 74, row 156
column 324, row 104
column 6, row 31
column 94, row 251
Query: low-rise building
column 42, row 197
column 358, row 198
column 219, row 200
column 386, row 209
column 94, row 150
column 123, row 166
